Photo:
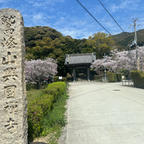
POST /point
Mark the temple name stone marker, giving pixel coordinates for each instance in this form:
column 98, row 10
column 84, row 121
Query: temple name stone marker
column 13, row 113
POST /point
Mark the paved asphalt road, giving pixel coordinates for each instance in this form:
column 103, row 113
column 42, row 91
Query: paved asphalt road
column 104, row 113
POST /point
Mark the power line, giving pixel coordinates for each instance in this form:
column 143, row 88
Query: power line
column 92, row 16
column 111, row 16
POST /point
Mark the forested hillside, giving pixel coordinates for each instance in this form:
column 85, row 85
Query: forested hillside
column 122, row 40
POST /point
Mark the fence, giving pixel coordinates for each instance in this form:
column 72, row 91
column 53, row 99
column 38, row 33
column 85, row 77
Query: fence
column 127, row 83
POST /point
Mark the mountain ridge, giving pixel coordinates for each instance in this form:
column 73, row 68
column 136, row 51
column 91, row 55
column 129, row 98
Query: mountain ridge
column 122, row 40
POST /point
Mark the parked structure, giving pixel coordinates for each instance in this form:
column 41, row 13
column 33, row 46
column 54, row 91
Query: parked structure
column 80, row 62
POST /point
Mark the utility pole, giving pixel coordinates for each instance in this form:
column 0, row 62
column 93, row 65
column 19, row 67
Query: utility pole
column 135, row 44
column 135, row 37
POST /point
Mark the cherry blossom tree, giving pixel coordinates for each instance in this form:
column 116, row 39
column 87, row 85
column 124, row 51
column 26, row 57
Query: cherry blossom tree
column 125, row 60
column 38, row 71
column 105, row 63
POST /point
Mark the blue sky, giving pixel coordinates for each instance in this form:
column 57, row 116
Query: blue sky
column 69, row 18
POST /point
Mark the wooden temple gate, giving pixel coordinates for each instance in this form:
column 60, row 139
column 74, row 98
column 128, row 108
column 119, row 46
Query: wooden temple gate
column 80, row 62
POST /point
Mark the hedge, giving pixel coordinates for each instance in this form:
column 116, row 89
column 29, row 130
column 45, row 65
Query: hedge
column 40, row 104
column 113, row 77
column 138, row 78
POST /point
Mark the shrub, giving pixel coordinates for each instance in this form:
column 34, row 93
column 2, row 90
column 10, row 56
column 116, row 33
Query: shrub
column 119, row 77
column 56, row 89
column 98, row 77
column 69, row 77
column 40, row 104
column 138, row 78
column 56, row 78
column 30, row 86
column 111, row 77
column 126, row 73
column 35, row 115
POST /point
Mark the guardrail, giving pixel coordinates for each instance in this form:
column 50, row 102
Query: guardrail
column 127, row 83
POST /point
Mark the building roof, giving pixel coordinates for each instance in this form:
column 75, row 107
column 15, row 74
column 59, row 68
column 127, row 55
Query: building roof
column 84, row 58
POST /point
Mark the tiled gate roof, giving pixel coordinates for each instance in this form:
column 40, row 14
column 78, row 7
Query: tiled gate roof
column 84, row 58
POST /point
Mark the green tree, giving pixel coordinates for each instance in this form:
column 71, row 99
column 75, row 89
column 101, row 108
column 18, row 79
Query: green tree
column 101, row 43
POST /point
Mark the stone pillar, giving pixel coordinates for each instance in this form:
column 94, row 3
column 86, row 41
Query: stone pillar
column 13, row 113
column 88, row 74
column 74, row 74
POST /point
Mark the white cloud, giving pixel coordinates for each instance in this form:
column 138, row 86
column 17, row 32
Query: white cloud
column 72, row 26
column 71, row 22
column 110, row 25
column 37, row 17
column 125, row 4
column 39, row 3
column 76, row 33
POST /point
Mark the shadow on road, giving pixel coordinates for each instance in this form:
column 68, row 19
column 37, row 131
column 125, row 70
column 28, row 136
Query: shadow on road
column 38, row 143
